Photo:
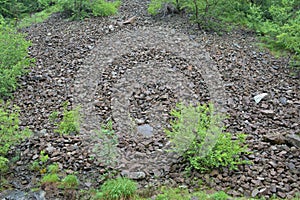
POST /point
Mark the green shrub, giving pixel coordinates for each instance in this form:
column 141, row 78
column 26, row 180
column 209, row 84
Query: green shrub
column 70, row 182
column 197, row 135
column 117, row 189
column 70, row 122
column 10, row 133
column 104, row 8
column 79, row 9
column 13, row 58
column 278, row 24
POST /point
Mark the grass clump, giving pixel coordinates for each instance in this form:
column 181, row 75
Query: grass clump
column 197, row 135
column 117, row 189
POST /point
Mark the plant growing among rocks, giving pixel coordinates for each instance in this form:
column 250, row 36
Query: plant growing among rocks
column 197, row 135
column 41, row 164
column 106, row 149
column 70, row 122
column 70, row 182
column 117, row 189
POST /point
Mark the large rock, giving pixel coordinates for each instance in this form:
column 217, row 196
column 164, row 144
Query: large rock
column 20, row 195
column 293, row 139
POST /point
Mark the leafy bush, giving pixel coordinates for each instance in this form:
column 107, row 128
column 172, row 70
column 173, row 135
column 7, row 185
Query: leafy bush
column 278, row 24
column 13, row 58
column 10, row 133
column 14, row 9
column 197, row 135
column 79, row 9
column 117, row 189
column 70, row 122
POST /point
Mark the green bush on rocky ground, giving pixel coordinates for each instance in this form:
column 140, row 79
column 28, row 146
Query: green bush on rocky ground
column 197, row 134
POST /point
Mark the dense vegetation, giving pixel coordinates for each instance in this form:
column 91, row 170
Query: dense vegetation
column 75, row 9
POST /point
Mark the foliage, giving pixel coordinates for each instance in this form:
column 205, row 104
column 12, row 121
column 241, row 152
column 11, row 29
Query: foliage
column 107, row 149
column 37, row 17
column 117, row 189
column 197, row 135
column 104, row 8
column 219, row 196
column 13, row 58
column 53, row 168
column 16, row 9
column 279, row 24
column 3, row 164
column 70, row 122
column 10, row 133
column 35, row 166
column 40, row 165
column 184, row 194
column 79, row 9
column 70, row 182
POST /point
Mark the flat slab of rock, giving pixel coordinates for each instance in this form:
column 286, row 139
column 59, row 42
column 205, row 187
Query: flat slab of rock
column 20, row 195
column 145, row 129
column 133, row 175
column 293, row 139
